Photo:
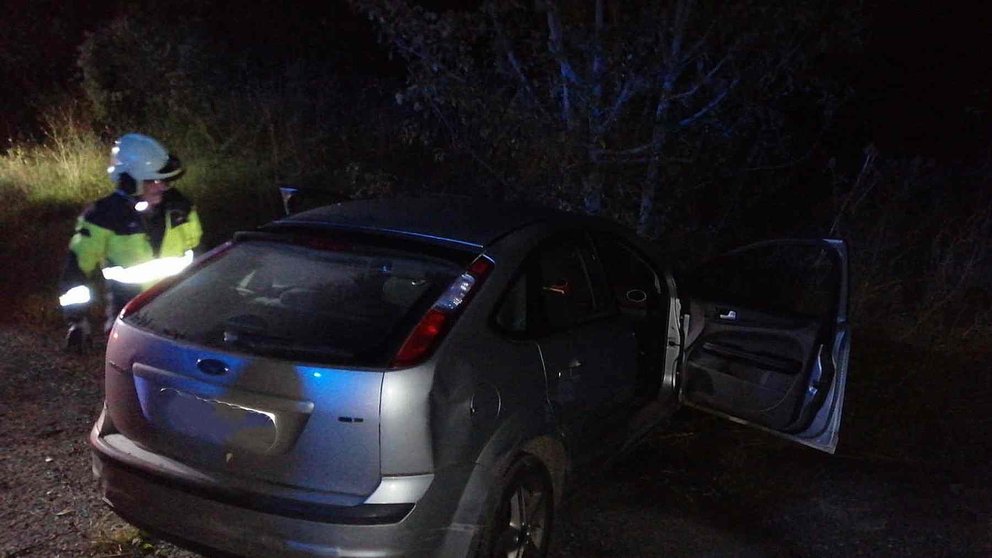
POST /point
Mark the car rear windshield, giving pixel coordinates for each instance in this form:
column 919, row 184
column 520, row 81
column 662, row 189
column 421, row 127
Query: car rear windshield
column 351, row 305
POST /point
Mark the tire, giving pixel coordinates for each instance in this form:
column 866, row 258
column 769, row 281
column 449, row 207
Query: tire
column 521, row 521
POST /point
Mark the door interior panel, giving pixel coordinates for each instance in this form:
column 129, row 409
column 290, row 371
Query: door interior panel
column 767, row 338
column 764, row 360
column 752, row 366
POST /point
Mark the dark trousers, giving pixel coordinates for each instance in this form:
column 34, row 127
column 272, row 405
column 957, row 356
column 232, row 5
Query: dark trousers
column 117, row 295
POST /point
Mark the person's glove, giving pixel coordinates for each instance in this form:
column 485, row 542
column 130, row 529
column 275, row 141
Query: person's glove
column 79, row 338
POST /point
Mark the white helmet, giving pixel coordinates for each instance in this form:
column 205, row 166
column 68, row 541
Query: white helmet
column 140, row 157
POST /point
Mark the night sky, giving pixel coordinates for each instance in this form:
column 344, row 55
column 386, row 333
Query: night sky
column 922, row 81
column 926, row 78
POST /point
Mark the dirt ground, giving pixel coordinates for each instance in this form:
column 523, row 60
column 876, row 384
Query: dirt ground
column 911, row 476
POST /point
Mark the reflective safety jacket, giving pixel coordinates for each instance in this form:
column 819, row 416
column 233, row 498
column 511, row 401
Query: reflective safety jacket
column 131, row 249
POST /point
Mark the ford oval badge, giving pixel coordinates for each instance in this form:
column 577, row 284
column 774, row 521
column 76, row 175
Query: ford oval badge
column 212, row 366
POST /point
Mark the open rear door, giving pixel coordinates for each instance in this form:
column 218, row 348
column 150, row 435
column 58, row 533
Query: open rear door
column 768, row 340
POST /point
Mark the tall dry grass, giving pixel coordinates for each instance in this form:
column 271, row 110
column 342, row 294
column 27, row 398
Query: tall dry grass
column 68, row 167
column 921, row 260
column 43, row 186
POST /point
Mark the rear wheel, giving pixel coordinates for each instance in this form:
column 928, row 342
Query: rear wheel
column 521, row 524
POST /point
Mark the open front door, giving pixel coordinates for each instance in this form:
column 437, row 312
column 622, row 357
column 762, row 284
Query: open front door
column 768, row 339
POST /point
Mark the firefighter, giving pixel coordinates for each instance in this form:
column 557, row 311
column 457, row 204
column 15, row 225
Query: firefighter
column 143, row 232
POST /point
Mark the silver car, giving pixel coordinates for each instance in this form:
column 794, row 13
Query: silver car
column 426, row 377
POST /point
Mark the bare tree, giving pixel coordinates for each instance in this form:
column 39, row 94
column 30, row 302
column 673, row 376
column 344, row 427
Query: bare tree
column 594, row 90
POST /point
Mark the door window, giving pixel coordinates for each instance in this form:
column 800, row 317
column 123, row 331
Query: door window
column 562, row 284
column 790, row 279
column 572, row 289
column 634, row 285
column 512, row 314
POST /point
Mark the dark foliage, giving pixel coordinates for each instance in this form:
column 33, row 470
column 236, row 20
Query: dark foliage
column 702, row 125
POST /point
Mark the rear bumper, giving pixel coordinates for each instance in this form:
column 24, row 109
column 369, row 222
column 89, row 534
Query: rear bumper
column 238, row 523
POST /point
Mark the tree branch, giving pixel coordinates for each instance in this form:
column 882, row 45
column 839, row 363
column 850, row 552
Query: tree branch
column 870, row 154
column 708, row 107
column 596, row 73
column 703, row 81
column 558, row 46
column 674, row 56
column 514, row 62
column 431, row 62
column 454, row 141
column 627, row 91
column 401, row 24
column 565, row 70
column 639, row 150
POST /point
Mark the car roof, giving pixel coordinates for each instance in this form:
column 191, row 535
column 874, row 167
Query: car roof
column 466, row 221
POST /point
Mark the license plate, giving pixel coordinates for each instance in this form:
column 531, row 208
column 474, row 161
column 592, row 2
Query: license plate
column 215, row 421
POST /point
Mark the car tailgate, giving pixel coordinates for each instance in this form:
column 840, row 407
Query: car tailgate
column 296, row 425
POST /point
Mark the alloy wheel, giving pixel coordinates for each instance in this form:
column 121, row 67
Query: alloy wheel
column 525, row 517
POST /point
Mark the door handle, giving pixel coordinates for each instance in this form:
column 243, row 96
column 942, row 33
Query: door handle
column 727, row 314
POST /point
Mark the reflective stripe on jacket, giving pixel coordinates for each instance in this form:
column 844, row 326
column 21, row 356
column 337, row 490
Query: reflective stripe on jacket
column 111, row 233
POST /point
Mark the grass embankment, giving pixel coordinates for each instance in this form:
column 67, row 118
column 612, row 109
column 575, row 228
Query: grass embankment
column 44, row 187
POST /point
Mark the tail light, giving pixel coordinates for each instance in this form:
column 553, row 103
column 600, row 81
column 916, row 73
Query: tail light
column 140, row 301
column 437, row 321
